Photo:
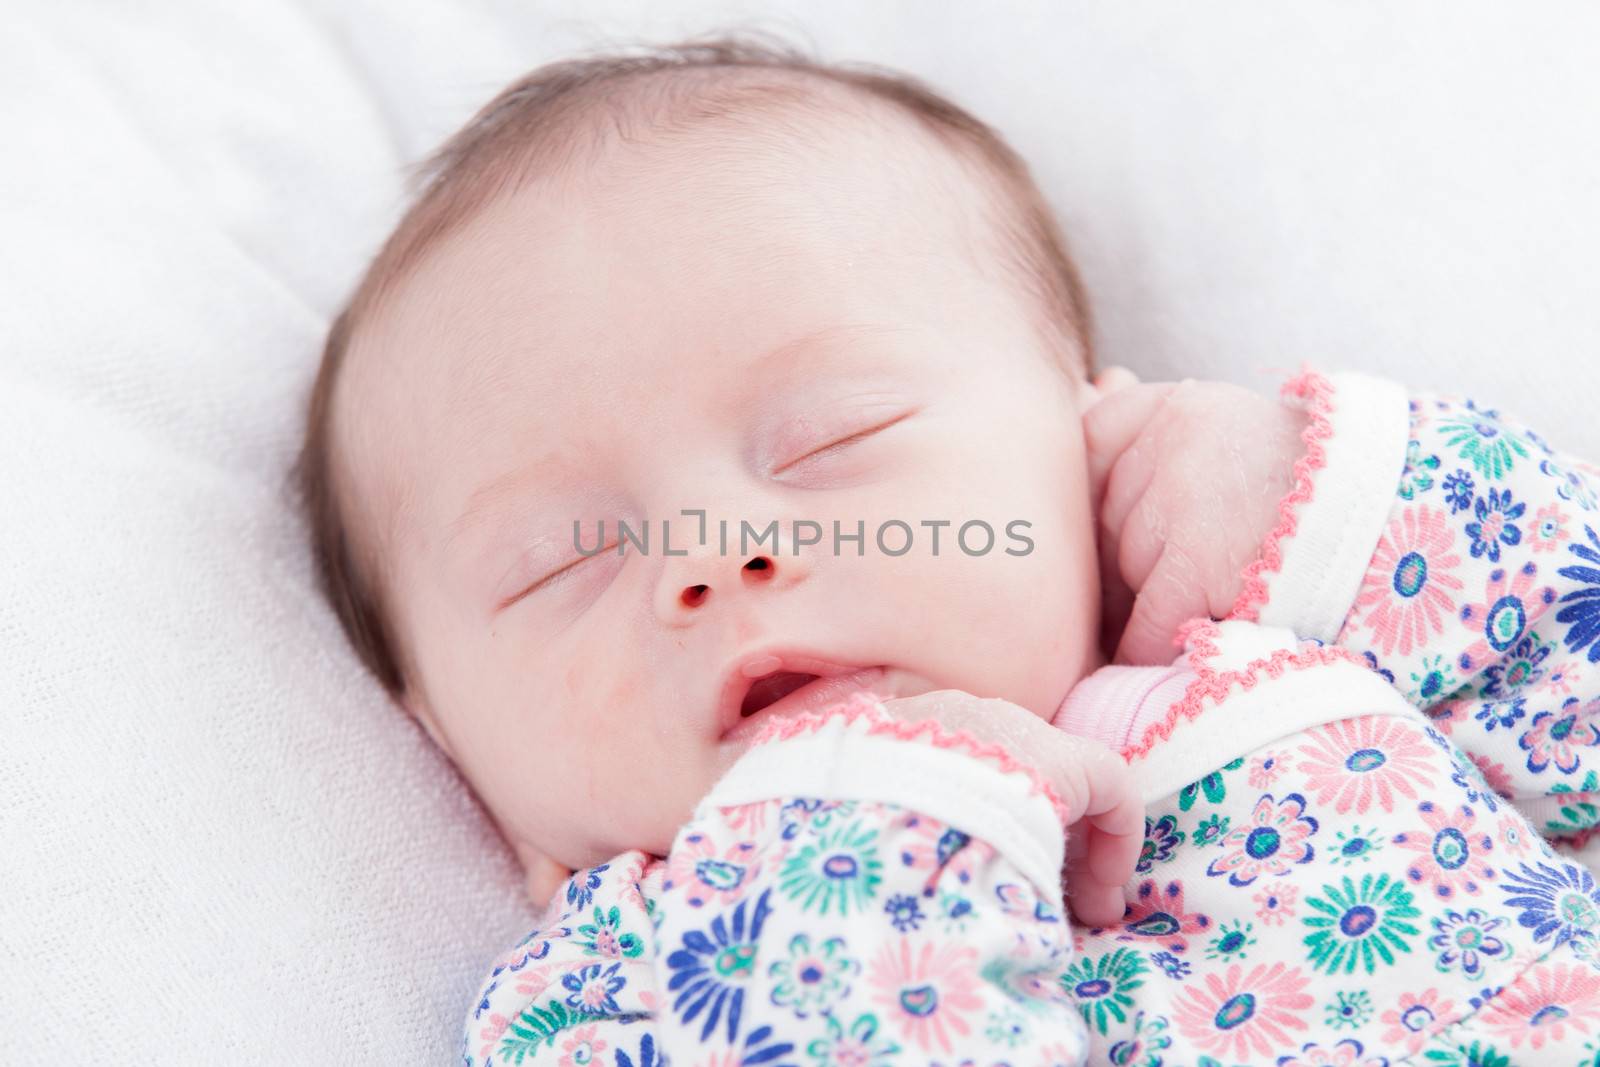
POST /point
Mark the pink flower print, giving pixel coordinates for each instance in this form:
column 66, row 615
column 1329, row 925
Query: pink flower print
column 491, row 1033
column 1451, row 854
column 1564, row 677
column 1275, row 903
column 1353, row 763
column 1158, row 914
column 1556, row 736
column 533, row 981
column 1547, row 1000
column 1060, row 1055
column 1510, row 606
column 583, row 1049
column 1548, row 528
column 709, row 876
column 1266, row 769
column 1415, row 1018
column 1447, row 713
column 1243, row 1014
column 1274, row 837
column 1410, row 590
column 751, row 819
column 933, row 846
column 1494, row 774
column 536, row 946
column 929, row 992
column 1511, row 834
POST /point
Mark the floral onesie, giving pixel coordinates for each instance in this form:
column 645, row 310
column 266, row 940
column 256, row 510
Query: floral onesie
column 1400, row 704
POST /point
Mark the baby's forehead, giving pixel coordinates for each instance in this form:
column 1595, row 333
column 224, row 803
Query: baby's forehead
column 654, row 231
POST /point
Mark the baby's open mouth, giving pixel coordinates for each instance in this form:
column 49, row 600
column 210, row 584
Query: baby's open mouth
column 781, row 685
column 772, row 688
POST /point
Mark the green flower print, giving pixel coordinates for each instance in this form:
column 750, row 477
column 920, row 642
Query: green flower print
column 859, row 1046
column 811, row 979
column 1144, row 1048
column 1232, row 942
column 1102, row 987
column 1355, row 844
column 1433, row 682
column 1007, row 1027
column 1476, row 1054
column 1418, row 474
column 1484, row 443
column 1211, row 785
column 605, row 937
column 535, row 1026
column 1359, row 923
column 1348, row 1011
column 955, row 912
column 1578, row 815
column 1211, row 829
column 838, row 872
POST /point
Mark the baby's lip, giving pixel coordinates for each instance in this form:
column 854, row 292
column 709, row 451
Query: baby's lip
column 834, row 681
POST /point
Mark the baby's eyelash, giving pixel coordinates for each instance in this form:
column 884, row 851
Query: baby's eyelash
column 844, row 442
column 554, row 578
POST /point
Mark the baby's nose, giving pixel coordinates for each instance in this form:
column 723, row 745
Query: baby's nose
column 758, row 570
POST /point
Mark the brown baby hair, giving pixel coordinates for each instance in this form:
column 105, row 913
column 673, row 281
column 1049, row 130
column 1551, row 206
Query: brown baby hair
column 536, row 125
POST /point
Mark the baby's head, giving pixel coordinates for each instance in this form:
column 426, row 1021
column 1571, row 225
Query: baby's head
column 716, row 278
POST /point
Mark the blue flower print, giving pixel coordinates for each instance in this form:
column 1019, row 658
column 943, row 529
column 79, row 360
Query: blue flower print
column 762, row 1047
column 1496, row 524
column 904, row 915
column 592, row 990
column 1560, row 903
column 648, row 1057
column 1582, row 611
column 1462, row 941
column 1458, row 491
column 709, row 972
column 1521, row 668
column 1501, row 713
column 581, row 886
column 1161, row 837
column 1170, row 965
column 1571, row 485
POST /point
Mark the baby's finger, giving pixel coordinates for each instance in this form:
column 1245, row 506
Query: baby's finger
column 1096, row 880
column 544, row 877
column 1144, row 539
column 1094, row 903
column 1173, row 594
column 1114, row 423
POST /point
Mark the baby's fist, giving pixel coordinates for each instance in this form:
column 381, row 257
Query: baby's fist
column 1187, row 479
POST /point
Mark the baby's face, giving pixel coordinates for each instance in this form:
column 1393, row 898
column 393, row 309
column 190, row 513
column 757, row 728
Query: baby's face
column 763, row 334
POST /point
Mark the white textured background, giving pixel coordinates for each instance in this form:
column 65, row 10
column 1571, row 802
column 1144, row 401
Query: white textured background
column 216, row 840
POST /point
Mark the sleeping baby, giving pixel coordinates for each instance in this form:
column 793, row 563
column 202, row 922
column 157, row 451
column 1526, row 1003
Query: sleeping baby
column 712, row 464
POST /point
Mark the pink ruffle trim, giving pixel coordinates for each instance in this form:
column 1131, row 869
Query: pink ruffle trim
column 864, row 706
column 1316, row 393
column 1212, row 685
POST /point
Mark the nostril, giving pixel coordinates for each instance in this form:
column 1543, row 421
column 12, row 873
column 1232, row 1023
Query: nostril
column 760, row 568
column 693, row 595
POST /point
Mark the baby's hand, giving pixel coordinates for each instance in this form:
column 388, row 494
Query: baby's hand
column 1187, row 478
column 1093, row 782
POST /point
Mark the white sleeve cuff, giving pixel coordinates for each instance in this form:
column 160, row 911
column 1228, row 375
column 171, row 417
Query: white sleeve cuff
column 1325, row 552
column 859, row 758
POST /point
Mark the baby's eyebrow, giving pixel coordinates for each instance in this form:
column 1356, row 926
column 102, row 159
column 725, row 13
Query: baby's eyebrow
column 487, row 499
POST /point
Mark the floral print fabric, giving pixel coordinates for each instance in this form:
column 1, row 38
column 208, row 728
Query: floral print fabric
column 842, row 934
column 1373, row 891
